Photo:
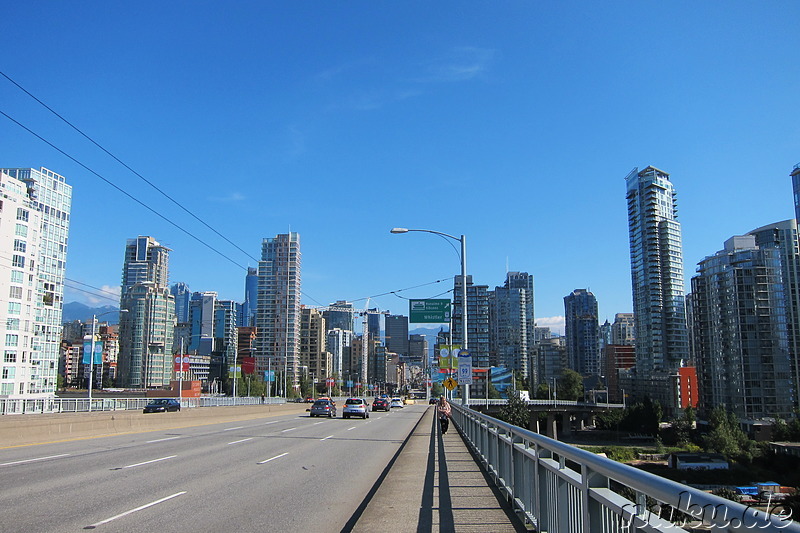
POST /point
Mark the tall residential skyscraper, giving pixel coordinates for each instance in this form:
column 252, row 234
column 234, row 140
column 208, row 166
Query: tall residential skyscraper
column 512, row 323
column 247, row 316
column 782, row 236
column 213, row 332
column 740, row 333
column 339, row 315
column 477, row 327
column 397, row 334
column 313, row 355
column 278, row 314
column 34, row 226
column 182, row 296
column 622, row 330
column 581, row 332
column 662, row 342
column 146, row 330
column 795, row 174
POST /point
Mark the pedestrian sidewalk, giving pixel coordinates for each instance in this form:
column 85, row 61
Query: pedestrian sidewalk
column 436, row 485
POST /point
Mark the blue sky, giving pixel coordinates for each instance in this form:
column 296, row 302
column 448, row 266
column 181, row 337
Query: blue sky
column 513, row 123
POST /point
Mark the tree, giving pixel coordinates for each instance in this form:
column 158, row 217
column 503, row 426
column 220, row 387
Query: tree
column 493, row 392
column 570, row 386
column 542, row 391
column 515, row 411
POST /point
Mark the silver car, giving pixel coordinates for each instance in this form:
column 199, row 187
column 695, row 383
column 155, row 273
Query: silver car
column 355, row 407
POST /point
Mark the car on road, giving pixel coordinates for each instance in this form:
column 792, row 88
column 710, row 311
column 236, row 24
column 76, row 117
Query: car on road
column 323, row 408
column 162, row 405
column 355, row 407
column 432, row 401
column 396, row 402
column 380, row 404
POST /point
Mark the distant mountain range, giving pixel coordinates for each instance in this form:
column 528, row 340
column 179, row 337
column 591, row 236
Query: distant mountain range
column 78, row 311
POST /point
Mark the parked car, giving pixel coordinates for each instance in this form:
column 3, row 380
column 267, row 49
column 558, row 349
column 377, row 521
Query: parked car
column 309, row 399
column 323, row 408
column 396, row 402
column 380, row 404
column 355, row 407
column 432, row 401
column 162, row 405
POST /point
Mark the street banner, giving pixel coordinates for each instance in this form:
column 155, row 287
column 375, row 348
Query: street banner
column 235, row 371
column 269, row 375
column 429, row 311
column 248, row 365
column 98, row 352
column 180, row 363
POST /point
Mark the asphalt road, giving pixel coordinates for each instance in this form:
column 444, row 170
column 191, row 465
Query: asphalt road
column 285, row 473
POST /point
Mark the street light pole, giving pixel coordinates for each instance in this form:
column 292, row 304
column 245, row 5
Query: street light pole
column 463, row 241
column 91, row 354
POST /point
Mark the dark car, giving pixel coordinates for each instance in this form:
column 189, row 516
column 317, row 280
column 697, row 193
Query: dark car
column 433, row 400
column 323, row 408
column 162, row 405
column 380, row 404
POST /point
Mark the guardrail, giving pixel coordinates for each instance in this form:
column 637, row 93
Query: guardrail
column 559, row 488
column 478, row 402
column 79, row 405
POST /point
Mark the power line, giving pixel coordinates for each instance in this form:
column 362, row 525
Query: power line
column 187, row 232
column 118, row 160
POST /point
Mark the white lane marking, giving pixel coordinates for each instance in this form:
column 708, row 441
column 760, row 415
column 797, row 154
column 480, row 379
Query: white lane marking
column 351, row 428
column 231, row 429
column 126, row 513
column 32, row 460
column 162, row 440
column 153, row 461
column 243, row 440
column 328, row 437
column 273, row 422
column 317, row 423
column 273, row 458
column 290, row 429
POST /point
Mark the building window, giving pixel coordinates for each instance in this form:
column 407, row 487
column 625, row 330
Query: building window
column 14, row 308
column 9, row 372
column 18, row 261
column 15, row 292
column 10, row 356
column 17, row 276
column 21, row 230
column 12, row 324
column 12, row 339
column 6, row 389
column 22, row 214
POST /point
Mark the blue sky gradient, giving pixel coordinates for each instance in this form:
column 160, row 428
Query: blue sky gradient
column 512, row 123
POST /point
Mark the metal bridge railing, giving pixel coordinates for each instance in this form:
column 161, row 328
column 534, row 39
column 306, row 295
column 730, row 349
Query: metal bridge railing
column 480, row 402
column 559, row 488
column 81, row 405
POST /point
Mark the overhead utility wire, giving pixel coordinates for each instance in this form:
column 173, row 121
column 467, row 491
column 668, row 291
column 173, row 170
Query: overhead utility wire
column 187, row 232
column 393, row 292
column 92, row 287
column 93, row 293
column 118, row 160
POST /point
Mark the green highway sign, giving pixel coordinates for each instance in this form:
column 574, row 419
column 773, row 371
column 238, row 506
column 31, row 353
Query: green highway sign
column 428, row 311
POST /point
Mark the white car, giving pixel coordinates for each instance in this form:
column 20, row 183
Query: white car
column 396, row 402
column 355, row 407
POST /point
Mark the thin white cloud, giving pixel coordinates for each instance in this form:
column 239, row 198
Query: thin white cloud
column 229, row 198
column 460, row 64
column 555, row 323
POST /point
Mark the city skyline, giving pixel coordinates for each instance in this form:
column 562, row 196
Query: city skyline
column 430, row 132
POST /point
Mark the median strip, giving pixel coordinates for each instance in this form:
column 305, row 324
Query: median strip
column 126, row 513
